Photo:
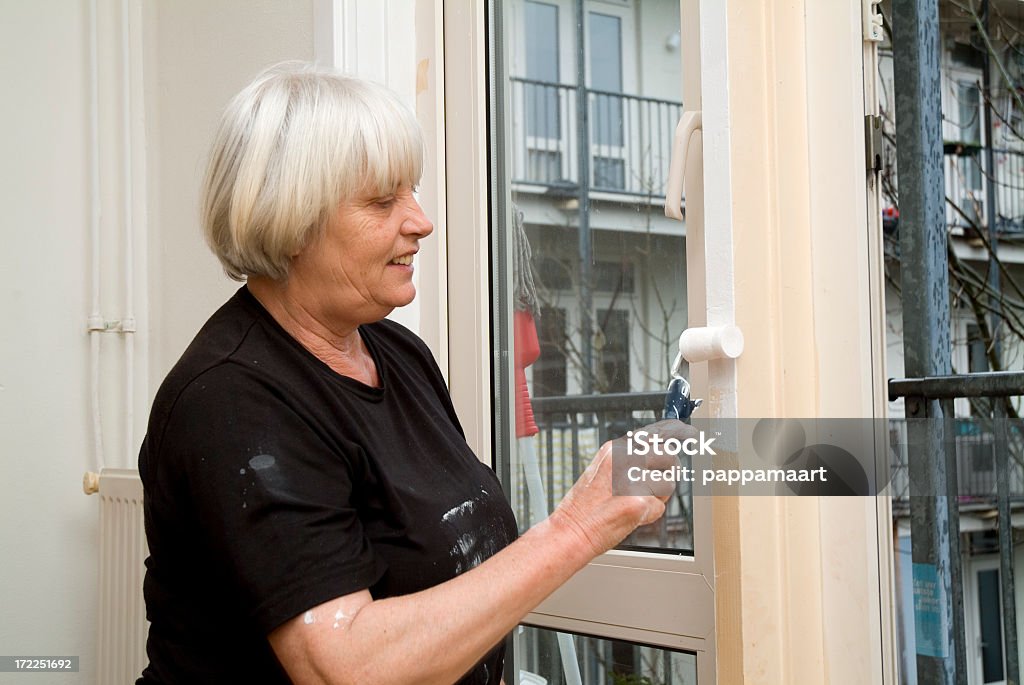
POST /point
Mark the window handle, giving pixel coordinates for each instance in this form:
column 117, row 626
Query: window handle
column 688, row 124
column 705, row 343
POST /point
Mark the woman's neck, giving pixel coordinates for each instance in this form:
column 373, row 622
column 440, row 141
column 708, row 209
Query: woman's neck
column 335, row 343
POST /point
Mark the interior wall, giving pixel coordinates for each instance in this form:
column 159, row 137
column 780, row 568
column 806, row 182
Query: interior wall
column 205, row 52
column 187, row 58
column 47, row 526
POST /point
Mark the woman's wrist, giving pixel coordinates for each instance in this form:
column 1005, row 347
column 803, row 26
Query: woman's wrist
column 570, row 539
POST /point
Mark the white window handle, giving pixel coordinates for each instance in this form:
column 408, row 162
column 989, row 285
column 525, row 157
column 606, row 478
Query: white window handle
column 711, row 342
column 688, row 123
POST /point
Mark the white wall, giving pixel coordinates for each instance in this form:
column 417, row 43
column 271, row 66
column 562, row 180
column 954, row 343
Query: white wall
column 47, row 526
column 188, row 57
column 205, row 52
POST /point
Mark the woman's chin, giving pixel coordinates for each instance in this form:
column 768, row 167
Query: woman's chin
column 402, row 299
column 407, row 298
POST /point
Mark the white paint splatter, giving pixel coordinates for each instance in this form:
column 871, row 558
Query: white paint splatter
column 341, row 619
column 262, row 461
column 308, row 618
column 468, row 553
column 461, row 510
column 464, row 544
column 241, row 472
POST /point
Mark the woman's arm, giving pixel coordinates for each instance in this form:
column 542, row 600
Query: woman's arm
column 438, row 634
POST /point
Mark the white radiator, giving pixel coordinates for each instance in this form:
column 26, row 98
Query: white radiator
column 121, row 649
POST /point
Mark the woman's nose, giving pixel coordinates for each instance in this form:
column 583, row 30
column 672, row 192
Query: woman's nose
column 417, row 222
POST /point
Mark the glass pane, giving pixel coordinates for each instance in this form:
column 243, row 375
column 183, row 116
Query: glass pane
column 606, row 75
column 541, row 41
column 542, row 93
column 546, row 657
column 991, row 626
column 969, row 109
column 596, row 282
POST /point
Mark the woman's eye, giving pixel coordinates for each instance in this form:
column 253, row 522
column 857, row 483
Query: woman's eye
column 385, row 201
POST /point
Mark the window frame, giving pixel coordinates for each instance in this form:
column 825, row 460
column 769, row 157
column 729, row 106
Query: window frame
column 681, row 607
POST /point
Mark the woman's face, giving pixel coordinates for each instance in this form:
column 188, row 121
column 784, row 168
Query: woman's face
column 361, row 268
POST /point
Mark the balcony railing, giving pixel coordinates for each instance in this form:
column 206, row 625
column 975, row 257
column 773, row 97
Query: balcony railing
column 975, row 460
column 571, row 430
column 629, row 141
column 965, row 187
column 573, row 427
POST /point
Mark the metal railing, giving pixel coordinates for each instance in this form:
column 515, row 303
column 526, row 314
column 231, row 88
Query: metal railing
column 975, row 443
column 630, row 139
column 933, row 468
column 573, row 427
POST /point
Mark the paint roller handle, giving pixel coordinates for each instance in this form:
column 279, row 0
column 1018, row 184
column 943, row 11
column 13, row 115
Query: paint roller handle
column 678, row 404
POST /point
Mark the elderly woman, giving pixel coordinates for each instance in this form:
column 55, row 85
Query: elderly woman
column 313, row 511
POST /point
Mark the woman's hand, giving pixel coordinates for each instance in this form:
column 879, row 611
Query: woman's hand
column 602, row 517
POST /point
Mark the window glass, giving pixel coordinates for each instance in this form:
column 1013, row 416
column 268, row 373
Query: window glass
column 596, row 282
column 606, row 75
column 990, row 621
column 969, row 106
column 542, row 94
column 542, row 661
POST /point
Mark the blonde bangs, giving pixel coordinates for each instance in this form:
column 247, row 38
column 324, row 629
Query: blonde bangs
column 383, row 151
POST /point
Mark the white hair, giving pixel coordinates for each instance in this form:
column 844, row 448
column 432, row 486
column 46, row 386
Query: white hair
column 296, row 142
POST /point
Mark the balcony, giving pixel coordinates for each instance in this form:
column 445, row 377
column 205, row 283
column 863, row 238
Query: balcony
column 629, row 140
column 975, row 459
column 965, row 187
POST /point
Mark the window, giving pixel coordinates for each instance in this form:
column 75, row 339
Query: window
column 606, row 102
column 610, row 299
column 543, row 96
column 626, row 133
column 968, row 99
column 615, row 662
column 549, row 371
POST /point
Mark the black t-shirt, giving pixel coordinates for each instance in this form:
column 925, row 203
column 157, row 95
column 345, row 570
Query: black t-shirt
column 274, row 484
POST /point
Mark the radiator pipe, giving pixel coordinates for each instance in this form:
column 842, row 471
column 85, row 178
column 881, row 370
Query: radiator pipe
column 95, row 324
column 128, row 319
